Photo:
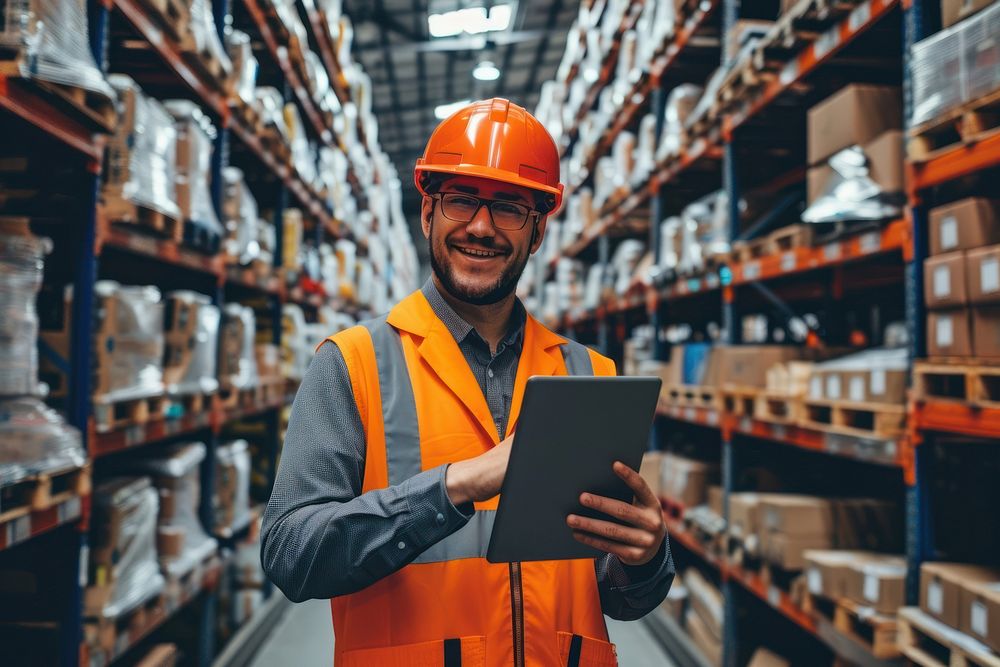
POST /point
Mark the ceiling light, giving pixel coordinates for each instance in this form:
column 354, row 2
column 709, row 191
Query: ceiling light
column 442, row 111
column 486, row 71
column 472, row 20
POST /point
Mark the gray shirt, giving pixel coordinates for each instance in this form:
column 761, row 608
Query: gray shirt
column 322, row 537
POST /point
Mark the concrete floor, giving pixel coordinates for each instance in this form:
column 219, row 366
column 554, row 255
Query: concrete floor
column 304, row 638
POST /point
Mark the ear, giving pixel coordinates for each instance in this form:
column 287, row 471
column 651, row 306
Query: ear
column 426, row 215
column 538, row 233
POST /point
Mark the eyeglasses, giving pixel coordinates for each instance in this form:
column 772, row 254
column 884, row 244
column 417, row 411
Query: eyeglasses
column 506, row 215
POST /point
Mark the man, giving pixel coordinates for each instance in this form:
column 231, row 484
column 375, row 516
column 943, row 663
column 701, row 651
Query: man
column 400, row 435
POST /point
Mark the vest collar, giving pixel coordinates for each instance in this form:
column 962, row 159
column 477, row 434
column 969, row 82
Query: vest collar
column 540, row 355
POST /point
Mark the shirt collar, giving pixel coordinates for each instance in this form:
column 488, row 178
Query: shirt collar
column 459, row 328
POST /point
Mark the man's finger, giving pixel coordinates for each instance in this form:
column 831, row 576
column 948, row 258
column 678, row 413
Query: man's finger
column 622, row 511
column 608, row 530
column 638, row 485
column 628, row 555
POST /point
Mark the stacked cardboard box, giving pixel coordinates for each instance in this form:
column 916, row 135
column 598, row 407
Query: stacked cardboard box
column 703, row 619
column 962, row 280
column 870, row 579
column 686, row 481
column 191, row 336
column 964, row 597
column 763, row 657
column 872, row 376
column 231, row 498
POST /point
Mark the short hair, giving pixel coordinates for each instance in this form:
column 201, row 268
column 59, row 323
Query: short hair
column 431, row 183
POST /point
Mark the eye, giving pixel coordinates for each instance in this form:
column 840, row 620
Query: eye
column 462, row 201
column 508, row 208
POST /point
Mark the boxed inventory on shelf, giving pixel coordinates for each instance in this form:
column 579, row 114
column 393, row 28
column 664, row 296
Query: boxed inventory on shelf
column 943, row 588
column 870, row 579
column 873, row 376
column 855, row 115
column 684, row 480
column 22, row 260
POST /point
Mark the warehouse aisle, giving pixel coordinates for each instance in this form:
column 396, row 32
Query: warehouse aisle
column 303, row 637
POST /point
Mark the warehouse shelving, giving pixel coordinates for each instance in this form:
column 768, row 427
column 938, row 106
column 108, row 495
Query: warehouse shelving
column 23, row 527
column 162, row 250
column 954, row 418
column 955, row 163
column 158, row 430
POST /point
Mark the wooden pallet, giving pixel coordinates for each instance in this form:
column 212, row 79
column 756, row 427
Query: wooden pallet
column 691, row 396
column 267, row 392
column 778, row 408
column 111, row 415
column 740, row 401
column 854, row 419
column 790, row 237
column 182, row 405
column 123, row 212
column 174, row 16
column 966, row 125
column 43, row 490
column 927, row 642
column 877, row 632
column 112, row 637
column 93, row 108
column 960, row 380
column 746, row 251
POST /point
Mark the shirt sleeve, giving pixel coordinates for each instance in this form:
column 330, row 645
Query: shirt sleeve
column 628, row 593
column 321, row 537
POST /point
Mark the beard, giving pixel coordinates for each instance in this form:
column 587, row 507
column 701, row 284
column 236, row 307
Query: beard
column 500, row 289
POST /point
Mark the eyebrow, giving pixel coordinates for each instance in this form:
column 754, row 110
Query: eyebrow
column 509, row 196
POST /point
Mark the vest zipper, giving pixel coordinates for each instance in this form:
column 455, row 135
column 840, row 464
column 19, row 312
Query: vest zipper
column 517, row 613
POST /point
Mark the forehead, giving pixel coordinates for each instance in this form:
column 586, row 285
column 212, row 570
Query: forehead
column 488, row 188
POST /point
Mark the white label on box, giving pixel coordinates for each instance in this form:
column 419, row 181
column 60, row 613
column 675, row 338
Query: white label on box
column 816, row 387
column 870, row 242
column 948, row 235
column 751, row 270
column 774, row 596
column 871, row 588
column 877, row 384
column 856, row 389
column 945, row 333
column 712, row 418
column 814, row 578
column 827, row 42
column 833, row 387
column 942, row 281
column 989, row 275
column 860, row 16
column 788, row 261
column 789, row 73
column 831, row 251
column 935, row 597
column 979, row 620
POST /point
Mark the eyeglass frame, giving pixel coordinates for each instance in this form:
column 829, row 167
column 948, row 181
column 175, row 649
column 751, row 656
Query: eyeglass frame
column 483, row 201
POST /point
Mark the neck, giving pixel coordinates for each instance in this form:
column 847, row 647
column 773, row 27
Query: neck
column 490, row 321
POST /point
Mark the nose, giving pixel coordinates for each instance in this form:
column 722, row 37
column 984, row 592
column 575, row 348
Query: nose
column 481, row 225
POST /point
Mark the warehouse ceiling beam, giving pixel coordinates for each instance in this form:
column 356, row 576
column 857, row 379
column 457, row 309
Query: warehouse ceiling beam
column 554, row 9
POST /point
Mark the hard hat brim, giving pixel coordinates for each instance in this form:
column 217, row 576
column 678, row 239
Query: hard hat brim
column 491, row 173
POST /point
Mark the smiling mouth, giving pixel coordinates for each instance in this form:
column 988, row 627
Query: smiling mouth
column 476, row 252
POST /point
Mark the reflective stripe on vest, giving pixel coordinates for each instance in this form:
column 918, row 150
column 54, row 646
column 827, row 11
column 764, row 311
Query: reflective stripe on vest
column 402, row 435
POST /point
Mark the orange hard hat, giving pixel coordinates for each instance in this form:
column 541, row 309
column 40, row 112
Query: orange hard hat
column 494, row 139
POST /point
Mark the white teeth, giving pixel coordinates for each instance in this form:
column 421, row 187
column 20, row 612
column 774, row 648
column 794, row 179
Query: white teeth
column 478, row 253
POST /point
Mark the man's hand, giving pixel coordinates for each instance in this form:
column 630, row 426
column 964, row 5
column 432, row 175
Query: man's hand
column 635, row 544
column 478, row 479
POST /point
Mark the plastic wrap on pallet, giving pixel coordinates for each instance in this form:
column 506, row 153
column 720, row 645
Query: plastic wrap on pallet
column 347, row 263
column 199, row 376
column 238, row 364
column 711, row 232
column 645, row 152
column 680, row 105
column 624, row 261
column 569, row 278
column 206, row 36
column 176, row 473
column 302, row 155
column 319, row 81
column 22, row 261
column 851, row 193
column 195, row 134
column 708, row 97
column 239, row 208
column 670, row 243
column 130, row 338
column 123, row 549
column 291, row 239
column 938, row 75
column 245, row 65
column 295, row 350
column 231, row 497
column 140, row 167
column 271, row 107
column 595, row 286
column 981, row 53
column 50, row 38
column 288, row 13
column 34, row 439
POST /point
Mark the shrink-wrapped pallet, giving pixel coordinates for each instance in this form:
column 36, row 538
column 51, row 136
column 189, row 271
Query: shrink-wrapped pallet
column 49, row 38
column 205, row 38
column 624, row 261
column 237, row 360
column 245, row 66
column 191, row 326
column 645, row 151
column 680, row 104
column 271, row 107
column 231, row 497
column 128, row 342
column 347, row 265
column 670, row 243
column 242, row 220
column 22, row 260
column 296, row 351
column 33, row 439
column 291, row 239
column 140, row 165
column 195, row 134
column 182, row 543
column 123, row 568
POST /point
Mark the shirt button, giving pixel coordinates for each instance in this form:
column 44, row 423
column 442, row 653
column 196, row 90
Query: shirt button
column 489, row 372
column 401, row 545
column 440, row 519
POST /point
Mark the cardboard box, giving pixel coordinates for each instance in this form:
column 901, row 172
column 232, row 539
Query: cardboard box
column 979, row 614
column 964, row 225
column 879, row 582
column 710, row 647
column 941, row 588
column 885, row 166
column 886, row 386
column 945, row 285
column 855, row 115
column 715, row 499
column 788, row 551
column 686, row 481
column 706, row 601
column 649, row 470
column 866, row 523
column 744, row 514
column 747, row 365
column 828, row 573
column 986, row 331
column 762, row 657
column 953, row 11
column 982, row 273
column 949, row 333
column 790, row 514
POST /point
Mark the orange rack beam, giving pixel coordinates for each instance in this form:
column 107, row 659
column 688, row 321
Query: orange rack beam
column 954, row 164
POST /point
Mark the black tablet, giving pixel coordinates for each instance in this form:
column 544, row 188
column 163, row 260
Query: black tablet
column 570, row 432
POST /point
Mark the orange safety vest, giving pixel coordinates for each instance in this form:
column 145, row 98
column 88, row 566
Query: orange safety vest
column 421, row 407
